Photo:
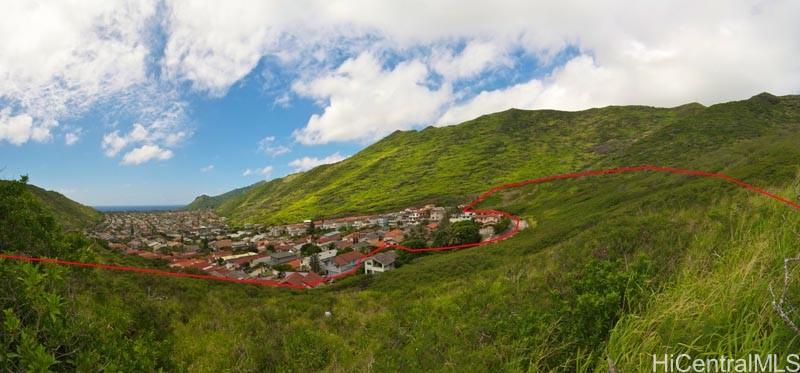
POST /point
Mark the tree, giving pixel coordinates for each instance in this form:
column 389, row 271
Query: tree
column 458, row 233
column 415, row 243
column 404, row 257
column 314, row 264
column 309, row 249
column 465, row 232
column 502, row 225
column 26, row 226
column 441, row 237
column 311, row 228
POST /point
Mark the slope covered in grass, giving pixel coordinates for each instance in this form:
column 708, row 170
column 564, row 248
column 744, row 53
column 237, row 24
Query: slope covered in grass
column 68, row 213
column 206, row 202
column 614, row 268
column 448, row 164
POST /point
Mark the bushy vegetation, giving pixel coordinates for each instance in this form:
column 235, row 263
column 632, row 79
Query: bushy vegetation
column 67, row 213
column 613, row 269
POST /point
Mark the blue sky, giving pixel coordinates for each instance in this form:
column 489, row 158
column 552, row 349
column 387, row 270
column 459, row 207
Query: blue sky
column 158, row 101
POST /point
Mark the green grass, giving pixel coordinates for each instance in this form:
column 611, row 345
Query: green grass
column 448, row 165
column 205, row 202
column 69, row 214
column 615, row 267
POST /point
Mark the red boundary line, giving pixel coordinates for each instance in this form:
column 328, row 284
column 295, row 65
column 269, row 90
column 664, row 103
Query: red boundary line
column 470, row 208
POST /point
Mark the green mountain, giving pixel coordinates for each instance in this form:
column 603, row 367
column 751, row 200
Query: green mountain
column 450, row 164
column 206, row 202
column 613, row 269
column 68, row 213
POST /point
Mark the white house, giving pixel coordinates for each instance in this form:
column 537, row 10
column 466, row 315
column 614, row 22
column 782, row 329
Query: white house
column 325, row 258
column 380, row 262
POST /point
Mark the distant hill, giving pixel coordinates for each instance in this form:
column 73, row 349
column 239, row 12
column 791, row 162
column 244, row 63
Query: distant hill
column 449, row 164
column 69, row 214
column 613, row 269
column 206, row 202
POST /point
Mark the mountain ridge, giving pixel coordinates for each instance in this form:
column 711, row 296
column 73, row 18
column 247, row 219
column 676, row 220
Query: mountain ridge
column 424, row 166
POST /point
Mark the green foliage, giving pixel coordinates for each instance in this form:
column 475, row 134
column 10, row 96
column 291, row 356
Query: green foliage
column 614, row 268
column 458, row 233
column 502, row 226
column 69, row 214
column 309, row 249
column 205, row 202
column 596, row 296
column 25, row 224
column 405, row 257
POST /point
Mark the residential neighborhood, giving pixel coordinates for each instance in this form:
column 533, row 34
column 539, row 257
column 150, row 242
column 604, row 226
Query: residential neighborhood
column 301, row 254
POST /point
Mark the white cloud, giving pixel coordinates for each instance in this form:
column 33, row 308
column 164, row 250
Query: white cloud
column 208, row 168
column 70, row 138
column 146, row 153
column 265, row 171
column 629, row 53
column 59, row 58
column 519, row 96
column 476, row 57
column 113, row 143
column 307, row 163
column 16, row 129
column 268, row 146
column 167, row 129
column 215, row 44
column 19, row 129
column 364, row 102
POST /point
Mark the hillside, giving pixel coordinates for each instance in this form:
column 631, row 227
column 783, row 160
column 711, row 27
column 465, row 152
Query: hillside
column 68, row 213
column 448, row 164
column 614, row 268
column 204, row 202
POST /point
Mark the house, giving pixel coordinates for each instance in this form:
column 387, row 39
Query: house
column 295, row 263
column 363, row 246
column 239, row 245
column 329, row 237
column 236, row 256
column 276, row 231
column 248, row 260
column 487, row 219
column 351, row 238
column 221, row 244
column 303, row 279
column 296, row 229
column 343, row 263
column 486, row 231
column 281, row 257
column 189, row 263
column 373, row 238
column 380, row 262
column 465, row 216
column 342, row 244
column 395, row 236
column 324, row 257
column 261, row 259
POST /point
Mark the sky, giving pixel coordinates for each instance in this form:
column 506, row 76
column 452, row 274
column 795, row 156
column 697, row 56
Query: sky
column 147, row 102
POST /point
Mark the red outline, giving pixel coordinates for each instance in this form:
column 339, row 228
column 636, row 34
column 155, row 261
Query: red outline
column 470, row 208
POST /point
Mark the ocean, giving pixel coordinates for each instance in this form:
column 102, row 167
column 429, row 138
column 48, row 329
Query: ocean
column 138, row 208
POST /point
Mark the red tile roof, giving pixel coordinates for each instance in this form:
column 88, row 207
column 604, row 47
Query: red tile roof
column 295, row 263
column 308, row 280
column 346, row 258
